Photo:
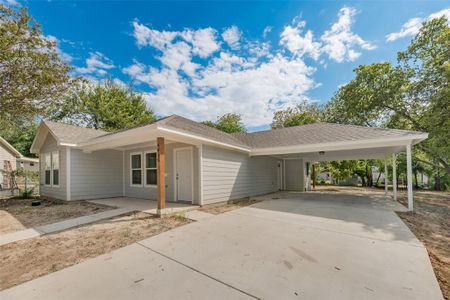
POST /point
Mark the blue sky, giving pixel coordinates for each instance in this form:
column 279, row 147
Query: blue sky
column 202, row 59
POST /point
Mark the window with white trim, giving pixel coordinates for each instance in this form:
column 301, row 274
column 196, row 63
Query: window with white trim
column 47, row 169
column 150, row 168
column 136, row 168
column 55, row 168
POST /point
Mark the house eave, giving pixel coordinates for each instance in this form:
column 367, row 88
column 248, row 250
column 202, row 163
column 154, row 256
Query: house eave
column 345, row 145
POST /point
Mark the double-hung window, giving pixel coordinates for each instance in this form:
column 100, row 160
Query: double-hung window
column 136, row 169
column 47, row 169
column 150, row 168
column 55, row 168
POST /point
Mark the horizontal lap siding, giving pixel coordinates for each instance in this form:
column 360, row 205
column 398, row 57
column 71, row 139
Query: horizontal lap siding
column 6, row 155
column 50, row 145
column 96, row 175
column 229, row 175
column 149, row 192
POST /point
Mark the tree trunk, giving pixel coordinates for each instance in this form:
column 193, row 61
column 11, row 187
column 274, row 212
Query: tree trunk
column 416, row 184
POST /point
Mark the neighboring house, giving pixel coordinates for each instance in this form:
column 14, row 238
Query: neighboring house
column 177, row 159
column 11, row 159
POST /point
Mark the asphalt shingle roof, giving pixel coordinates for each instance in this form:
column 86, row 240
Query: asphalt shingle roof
column 67, row 133
column 299, row 135
column 317, row 133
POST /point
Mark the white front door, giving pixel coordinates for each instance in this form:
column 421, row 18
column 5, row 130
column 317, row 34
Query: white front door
column 183, row 175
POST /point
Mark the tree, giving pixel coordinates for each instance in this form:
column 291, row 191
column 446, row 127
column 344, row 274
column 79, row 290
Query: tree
column 32, row 74
column 304, row 113
column 229, row 123
column 106, row 106
column 413, row 95
column 20, row 134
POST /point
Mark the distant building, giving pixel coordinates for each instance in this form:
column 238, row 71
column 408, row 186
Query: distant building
column 11, row 159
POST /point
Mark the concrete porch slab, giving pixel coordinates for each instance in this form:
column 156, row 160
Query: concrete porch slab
column 145, row 205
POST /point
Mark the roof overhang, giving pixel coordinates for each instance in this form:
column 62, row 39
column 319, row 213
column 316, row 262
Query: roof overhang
column 29, row 159
column 344, row 145
column 10, row 148
column 150, row 133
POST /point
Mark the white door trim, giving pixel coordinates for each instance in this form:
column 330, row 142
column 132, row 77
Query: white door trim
column 175, row 150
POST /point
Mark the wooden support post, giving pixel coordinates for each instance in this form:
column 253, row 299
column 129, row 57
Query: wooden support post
column 161, row 169
column 394, row 176
column 314, row 176
column 386, row 179
column 409, row 179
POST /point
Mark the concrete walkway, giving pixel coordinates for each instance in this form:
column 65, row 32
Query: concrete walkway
column 59, row 226
column 300, row 246
column 145, row 205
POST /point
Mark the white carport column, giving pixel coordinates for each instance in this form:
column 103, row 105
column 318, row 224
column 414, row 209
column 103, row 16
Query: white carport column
column 386, row 181
column 409, row 175
column 394, row 176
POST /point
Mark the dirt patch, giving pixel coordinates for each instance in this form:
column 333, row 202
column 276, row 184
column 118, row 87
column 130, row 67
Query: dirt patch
column 18, row 214
column 430, row 222
column 26, row 260
column 219, row 208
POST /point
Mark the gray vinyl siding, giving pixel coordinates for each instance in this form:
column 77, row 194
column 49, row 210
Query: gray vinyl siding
column 52, row 191
column 96, row 175
column 149, row 192
column 229, row 175
column 6, row 155
column 294, row 175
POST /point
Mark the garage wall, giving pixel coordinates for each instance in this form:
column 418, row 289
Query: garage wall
column 96, row 175
column 294, row 175
column 229, row 175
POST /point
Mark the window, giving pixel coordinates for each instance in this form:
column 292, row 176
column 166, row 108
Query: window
column 55, row 168
column 136, row 169
column 150, row 168
column 48, row 168
column 31, row 164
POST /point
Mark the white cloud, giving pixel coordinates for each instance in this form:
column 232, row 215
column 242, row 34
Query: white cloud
column 339, row 41
column 249, row 77
column 300, row 45
column 96, row 64
column 413, row 25
column 9, row 2
column 232, row 36
column 267, row 30
column 149, row 37
column 66, row 57
column 203, row 41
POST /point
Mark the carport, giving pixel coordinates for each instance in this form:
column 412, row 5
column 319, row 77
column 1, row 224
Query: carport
column 295, row 161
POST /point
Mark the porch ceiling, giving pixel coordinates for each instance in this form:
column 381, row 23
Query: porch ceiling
column 352, row 154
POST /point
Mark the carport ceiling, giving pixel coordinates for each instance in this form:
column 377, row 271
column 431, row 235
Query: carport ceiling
column 353, row 154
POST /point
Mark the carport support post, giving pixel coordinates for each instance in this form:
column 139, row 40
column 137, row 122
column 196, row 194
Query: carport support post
column 386, row 179
column 394, row 176
column 409, row 175
column 161, row 166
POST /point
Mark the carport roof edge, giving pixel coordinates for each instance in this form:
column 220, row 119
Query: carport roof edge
column 312, row 136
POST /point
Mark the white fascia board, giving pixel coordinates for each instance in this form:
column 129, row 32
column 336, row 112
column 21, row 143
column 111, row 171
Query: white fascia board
column 11, row 148
column 202, row 139
column 347, row 145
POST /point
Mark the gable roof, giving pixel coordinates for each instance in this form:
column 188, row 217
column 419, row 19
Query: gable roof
column 71, row 134
column 10, row 147
column 318, row 133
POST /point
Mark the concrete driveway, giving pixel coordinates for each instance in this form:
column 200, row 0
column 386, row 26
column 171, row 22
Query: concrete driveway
column 300, row 246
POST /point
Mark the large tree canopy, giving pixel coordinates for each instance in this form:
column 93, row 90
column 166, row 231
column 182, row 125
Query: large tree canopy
column 229, row 123
column 413, row 95
column 304, row 113
column 32, row 74
column 106, row 106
